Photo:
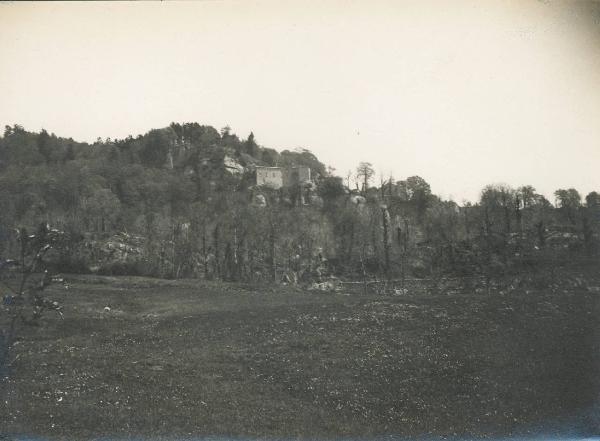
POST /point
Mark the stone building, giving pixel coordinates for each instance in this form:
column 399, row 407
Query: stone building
column 278, row 177
column 296, row 176
column 269, row 177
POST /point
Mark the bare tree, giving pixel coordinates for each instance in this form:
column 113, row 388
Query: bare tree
column 364, row 173
column 26, row 279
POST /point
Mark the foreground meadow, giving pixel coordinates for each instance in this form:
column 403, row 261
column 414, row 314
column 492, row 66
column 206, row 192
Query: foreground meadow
column 153, row 358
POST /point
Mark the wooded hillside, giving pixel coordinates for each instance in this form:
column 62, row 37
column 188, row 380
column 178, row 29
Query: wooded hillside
column 181, row 202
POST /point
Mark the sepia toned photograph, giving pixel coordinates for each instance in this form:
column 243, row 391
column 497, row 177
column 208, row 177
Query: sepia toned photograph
column 297, row 220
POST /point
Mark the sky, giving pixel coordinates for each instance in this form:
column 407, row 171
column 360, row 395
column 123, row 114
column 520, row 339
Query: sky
column 462, row 93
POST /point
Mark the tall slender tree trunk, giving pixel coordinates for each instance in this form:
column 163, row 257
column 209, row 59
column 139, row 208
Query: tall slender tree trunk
column 216, row 244
column 351, row 244
column 386, row 240
column 204, row 251
column 272, row 259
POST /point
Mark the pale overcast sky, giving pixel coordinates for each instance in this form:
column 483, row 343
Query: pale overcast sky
column 462, row 93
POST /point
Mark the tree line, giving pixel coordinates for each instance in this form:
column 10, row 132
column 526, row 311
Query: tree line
column 169, row 203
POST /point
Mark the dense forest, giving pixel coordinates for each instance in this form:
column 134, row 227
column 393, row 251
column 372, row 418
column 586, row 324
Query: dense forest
column 181, row 201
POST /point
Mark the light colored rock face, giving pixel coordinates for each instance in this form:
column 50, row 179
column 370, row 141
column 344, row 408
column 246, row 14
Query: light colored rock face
column 260, row 200
column 232, row 166
column 358, row 200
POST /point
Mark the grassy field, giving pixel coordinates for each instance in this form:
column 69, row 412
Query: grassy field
column 181, row 358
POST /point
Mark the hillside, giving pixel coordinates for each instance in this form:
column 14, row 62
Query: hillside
column 184, row 201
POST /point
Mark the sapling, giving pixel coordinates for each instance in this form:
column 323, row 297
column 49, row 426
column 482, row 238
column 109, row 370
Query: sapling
column 23, row 282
